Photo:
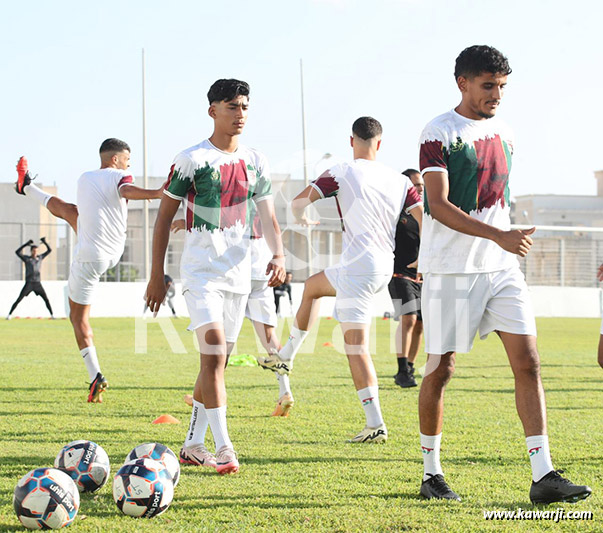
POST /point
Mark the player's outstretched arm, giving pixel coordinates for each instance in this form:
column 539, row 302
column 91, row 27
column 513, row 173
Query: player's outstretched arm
column 48, row 248
column 131, row 192
column 298, row 206
column 272, row 234
column 19, row 251
column 156, row 289
column 436, row 188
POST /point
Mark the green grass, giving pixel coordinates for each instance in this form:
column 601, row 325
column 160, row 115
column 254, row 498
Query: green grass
column 297, row 473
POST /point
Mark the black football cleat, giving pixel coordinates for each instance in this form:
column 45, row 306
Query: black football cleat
column 555, row 488
column 436, row 488
column 405, row 380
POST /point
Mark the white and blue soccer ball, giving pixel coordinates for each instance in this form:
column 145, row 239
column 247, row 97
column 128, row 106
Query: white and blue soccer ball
column 46, row 498
column 158, row 452
column 86, row 462
column 143, row 488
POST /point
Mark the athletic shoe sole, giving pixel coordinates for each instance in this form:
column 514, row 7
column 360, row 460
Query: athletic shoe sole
column 96, row 392
column 227, row 468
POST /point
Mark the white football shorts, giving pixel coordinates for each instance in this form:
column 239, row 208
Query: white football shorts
column 456, row 306
column 354, row 299
column 207, row 304
column 84, row 277
column 260, row 304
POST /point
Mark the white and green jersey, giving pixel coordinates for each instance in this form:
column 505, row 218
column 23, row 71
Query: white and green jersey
column 218, row 189
column 476, row 156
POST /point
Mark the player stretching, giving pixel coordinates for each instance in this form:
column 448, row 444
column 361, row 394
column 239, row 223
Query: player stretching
column 33, row 263
column 405, row 291
column 371, row 197
column 218, row 179
column 471, row 274
column 100, row 221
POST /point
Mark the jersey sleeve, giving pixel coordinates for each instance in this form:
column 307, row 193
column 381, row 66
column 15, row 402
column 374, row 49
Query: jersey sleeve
column 326, row 184
column 413, row 199
column 180, row 179
column 263, row 187
column 126, row 179
column 432, row 154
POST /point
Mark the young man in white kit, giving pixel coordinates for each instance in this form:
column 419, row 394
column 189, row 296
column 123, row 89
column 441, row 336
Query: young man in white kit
column 472, row 280
column 218, row 180
column 370, row 197
column 100, row 221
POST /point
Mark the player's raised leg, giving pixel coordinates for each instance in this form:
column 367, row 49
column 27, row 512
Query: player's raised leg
column 59, row 208
column 315, row 287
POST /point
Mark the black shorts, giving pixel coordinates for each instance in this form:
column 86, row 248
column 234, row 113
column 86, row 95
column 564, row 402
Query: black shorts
column 33, row 286
column 406, row 297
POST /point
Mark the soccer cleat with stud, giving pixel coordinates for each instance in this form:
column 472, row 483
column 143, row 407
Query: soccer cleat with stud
column 405, row 380
column 197, row 455
column 226, row 461
column 284, row 405
column 275, row 363
column 96, row 389
column 369, row 435
column 555, row 488
column 23, row 177
column 436, row 488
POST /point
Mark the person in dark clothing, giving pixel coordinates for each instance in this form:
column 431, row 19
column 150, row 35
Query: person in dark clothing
column 33, row 263
column 281, row 290
column 405, row 291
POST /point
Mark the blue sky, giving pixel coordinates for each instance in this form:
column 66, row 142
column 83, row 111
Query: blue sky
column 71, row 78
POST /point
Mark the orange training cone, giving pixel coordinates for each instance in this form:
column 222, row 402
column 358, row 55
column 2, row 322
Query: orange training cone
column 328, row 344
column 166, row 419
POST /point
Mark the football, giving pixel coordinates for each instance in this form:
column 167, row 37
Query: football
column 143, row 488
column 46, row 498
column 86, row 462
column 159, row 452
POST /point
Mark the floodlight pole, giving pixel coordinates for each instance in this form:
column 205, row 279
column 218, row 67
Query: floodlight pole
column 145, row 178
column 305, row 154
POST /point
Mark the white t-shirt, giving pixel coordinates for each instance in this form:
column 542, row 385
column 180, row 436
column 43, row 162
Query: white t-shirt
column 102, row 215
column 476, row 155
column 370, row 197
column 218, row 189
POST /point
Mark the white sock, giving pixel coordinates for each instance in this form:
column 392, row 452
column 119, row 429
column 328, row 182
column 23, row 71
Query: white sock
column 217, row 423
column 369, row 397
column 296, row 338
column 89, row 356
column 540, row 456
column 198, row 426
column 283, row 385
column 430, row 446
column 37, row 193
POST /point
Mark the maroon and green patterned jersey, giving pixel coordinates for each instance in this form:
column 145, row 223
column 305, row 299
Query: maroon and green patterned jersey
column 476, row 157
column 218, row 190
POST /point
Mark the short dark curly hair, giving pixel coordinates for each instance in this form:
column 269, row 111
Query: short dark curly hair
column 113, row 145
column 367, row 128
column 476, row 59
column 226, row 90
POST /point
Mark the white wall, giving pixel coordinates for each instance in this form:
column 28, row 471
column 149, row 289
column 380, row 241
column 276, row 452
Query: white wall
column 126, row 299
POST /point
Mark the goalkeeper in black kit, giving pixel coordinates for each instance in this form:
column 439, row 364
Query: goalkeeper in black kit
column 33, row 284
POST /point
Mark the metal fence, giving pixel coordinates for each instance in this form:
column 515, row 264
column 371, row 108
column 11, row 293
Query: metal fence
column 559, row 257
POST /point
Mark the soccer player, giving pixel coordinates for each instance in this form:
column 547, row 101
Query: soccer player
column 281, row 290
column 472, row 280
column 33, row 263
column 405, row 291
column 370, row 197
column 100, row 221
column 218, row 179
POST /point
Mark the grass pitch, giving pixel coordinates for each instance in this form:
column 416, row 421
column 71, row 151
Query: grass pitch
column 298, row 473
